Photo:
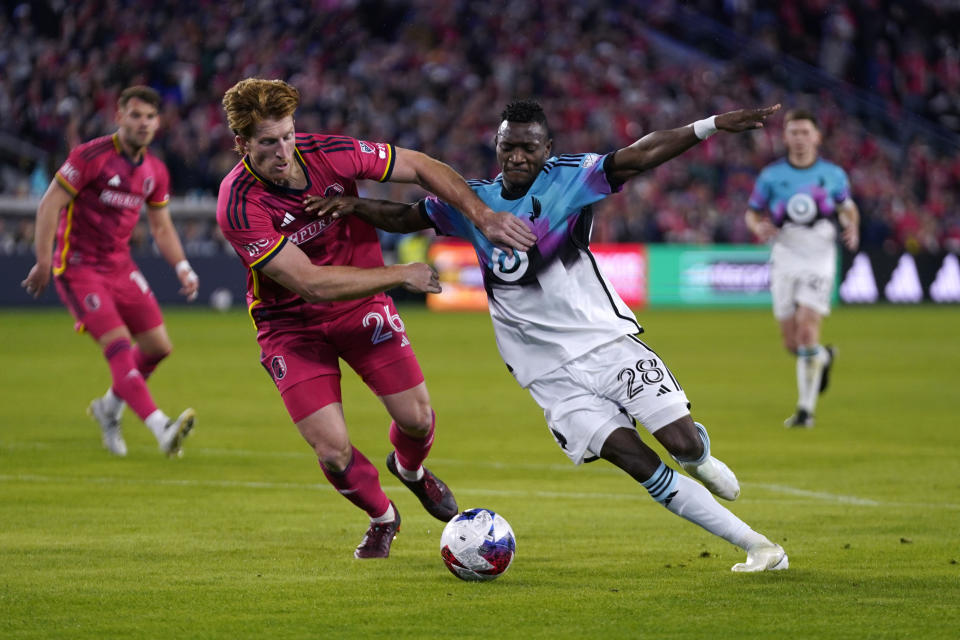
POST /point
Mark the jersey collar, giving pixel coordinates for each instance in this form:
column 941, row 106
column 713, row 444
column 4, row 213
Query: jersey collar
column 274, row 186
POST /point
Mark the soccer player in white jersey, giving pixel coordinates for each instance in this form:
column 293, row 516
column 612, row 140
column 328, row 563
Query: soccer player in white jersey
column 564, row 332
column 798, row 202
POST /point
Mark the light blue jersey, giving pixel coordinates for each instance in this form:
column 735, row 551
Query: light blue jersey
column 800, row 196
column 803, row 204
column 551, row 304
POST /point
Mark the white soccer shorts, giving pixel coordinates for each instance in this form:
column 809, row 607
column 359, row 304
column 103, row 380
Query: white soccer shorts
column 585, row 400
column 791, row 289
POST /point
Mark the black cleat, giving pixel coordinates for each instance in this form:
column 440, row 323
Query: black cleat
column 802, row 419
column 376, row 541
column 434, row 495
column 825, row 376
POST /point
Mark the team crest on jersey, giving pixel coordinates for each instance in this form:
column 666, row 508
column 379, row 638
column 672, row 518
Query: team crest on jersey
column 589, row 160
column 279, row 367
column 365, row 148
column 148, row 185
column 91, row 302
column 335, row 189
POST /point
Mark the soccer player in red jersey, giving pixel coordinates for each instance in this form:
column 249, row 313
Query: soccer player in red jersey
column 315, row 290
column 91, row 208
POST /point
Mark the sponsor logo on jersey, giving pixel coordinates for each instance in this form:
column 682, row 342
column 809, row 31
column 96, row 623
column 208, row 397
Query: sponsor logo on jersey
column 121, row 199
column 256, row 247
column 114, row 181
column 382, row 148
column 310, row 231
column 70, row 172
column 365, row 148
column 589, row 160
column 278, row 366
column 801, row 208
column 509, row 267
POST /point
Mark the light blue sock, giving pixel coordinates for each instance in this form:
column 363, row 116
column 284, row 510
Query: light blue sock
column 662, row 484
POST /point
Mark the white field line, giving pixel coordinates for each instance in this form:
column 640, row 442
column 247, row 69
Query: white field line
column 806, row 494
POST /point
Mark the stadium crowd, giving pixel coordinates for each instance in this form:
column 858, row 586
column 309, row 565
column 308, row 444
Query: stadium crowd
column 434, row 76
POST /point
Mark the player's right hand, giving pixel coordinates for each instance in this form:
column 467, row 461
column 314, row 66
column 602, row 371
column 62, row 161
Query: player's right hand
column 37, row 280
column 421, row 278
column 764, row 230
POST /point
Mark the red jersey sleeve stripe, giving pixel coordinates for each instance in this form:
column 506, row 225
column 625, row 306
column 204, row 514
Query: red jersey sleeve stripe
column 234, row 208
column 66, row 185
column 260, row 262
column 391, row 158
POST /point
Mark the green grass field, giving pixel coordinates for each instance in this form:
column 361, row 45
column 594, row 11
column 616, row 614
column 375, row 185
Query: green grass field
column 243, row 538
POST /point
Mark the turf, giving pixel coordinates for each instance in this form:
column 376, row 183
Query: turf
column 242, row 538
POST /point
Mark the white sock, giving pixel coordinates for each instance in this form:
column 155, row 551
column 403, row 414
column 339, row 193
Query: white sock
column 388, row 516
column 693, row 502
column 810, row 363
column 157, row 423
column 406, row 474
column 114, row 404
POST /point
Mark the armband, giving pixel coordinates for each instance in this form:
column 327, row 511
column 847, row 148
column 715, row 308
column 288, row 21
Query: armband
column 705, row 128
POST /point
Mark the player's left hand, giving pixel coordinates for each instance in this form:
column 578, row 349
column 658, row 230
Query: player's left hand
column 744, row 119
column 505, row 230
column 851, row 237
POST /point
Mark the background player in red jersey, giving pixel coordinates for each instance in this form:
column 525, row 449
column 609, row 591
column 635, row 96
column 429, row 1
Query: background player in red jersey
column 316, row 291
column 91, row 208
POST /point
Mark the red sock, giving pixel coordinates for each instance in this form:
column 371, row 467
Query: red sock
column 128, row 383
column 360, row 484
column 411, row 452
column 146, row 362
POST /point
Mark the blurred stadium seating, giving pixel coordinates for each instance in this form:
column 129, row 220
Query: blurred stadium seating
column 883, row 76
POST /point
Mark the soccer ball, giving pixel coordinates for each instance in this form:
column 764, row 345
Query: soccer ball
column 477, row 545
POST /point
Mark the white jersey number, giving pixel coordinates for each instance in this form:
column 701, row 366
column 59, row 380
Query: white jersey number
column 380, row 322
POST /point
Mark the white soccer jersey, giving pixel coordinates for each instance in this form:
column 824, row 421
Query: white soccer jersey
column 551, row 304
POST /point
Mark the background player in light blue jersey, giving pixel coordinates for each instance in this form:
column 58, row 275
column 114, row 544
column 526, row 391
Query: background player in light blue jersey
column 564, row 332
column 797, row 202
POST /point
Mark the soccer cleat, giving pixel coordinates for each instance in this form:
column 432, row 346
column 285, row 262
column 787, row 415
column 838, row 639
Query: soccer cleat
column 111, row 434
column 766, row 557
column 434, row 495
column 376, row 541
column 825, row 374
column 802, row 419
column 715, row 476
column 175, row 432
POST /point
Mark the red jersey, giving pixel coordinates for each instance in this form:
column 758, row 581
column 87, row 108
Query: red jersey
column 259, row 217
column 108, row 191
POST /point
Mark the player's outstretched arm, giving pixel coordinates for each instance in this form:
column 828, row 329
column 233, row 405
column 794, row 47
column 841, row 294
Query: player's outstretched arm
column 390, row 216
column 501, row 228
column 168, row 242
column 314, row 283
column 657, row 147
column 48, row 211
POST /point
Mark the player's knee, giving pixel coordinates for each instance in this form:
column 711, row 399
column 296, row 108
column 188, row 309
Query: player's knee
column 681, row 439
column 334, row 458
column 417, row 419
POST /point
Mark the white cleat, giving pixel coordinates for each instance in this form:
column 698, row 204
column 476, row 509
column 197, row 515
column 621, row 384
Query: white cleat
column 175, row 432
column 715, row 476
column 111, row 434
column 766, row 557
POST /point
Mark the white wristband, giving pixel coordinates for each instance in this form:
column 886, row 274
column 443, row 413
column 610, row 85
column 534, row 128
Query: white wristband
column 182, row 266
column 705, row 128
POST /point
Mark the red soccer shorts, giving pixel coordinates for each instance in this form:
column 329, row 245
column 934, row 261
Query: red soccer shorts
column 101, row 301
column 370, row 338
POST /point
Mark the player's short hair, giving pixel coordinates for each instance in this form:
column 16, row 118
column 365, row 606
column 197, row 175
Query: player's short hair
column 526, row 111
column 140, row 92
column 800, row 114
column 253, row 100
